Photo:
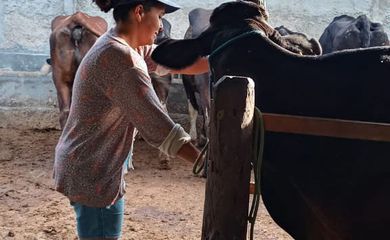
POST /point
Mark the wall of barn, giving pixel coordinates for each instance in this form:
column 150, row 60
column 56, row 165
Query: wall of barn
column 28, row 97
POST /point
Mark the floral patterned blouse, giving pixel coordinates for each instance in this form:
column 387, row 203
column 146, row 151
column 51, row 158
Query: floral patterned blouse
column 112, row 95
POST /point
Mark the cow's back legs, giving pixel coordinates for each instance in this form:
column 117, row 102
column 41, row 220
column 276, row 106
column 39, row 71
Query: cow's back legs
column 64, row 69
column 193, row 113
column 193, row 107
column 203, row 85
column 64, row 95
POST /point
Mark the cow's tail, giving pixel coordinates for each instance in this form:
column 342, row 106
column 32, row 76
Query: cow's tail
column 363, row 24
column 77, row 34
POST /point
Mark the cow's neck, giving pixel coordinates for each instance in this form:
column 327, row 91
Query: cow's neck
column 232, row 31
column 261, row 25
column 227, row 33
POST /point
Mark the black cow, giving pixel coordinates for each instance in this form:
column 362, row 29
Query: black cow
column 346, row 32
column 198, row 85
column 314, row 187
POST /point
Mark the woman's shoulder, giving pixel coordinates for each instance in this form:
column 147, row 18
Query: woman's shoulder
column 117, row 53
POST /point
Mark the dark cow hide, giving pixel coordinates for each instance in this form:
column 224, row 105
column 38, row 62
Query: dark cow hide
column 314, row 187
column 346, row 32
column 197, row 87
column 308, row 47
column 250, row 17
column 196, row 84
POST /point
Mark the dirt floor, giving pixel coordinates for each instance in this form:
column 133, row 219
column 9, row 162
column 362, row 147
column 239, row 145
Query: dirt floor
column 160, row 204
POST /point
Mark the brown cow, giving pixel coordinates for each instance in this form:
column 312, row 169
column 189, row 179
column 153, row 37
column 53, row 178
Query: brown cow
column 71, row 38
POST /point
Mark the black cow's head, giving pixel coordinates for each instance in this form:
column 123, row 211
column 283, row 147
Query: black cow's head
column 226, row 20
column 346, row 32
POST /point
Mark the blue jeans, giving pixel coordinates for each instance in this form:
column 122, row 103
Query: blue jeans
column 103, row 222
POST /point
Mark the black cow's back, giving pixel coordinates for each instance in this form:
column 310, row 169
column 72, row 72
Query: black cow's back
column 320, row 187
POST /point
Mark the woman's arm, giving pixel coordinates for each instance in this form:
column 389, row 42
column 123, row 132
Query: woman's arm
column 199, row 67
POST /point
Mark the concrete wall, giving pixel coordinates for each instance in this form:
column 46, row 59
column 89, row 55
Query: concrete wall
column 28, row 98
column 311, row 17
column 25, row 24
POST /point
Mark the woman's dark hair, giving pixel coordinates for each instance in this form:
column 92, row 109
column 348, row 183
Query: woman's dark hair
column 121, row 8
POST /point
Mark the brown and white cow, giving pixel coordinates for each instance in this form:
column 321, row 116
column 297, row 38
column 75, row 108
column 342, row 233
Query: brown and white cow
column 71, row 38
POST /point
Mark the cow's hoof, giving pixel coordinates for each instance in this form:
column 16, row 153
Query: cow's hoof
column 164, row 165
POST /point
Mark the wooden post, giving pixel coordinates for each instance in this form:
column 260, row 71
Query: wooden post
column 227, row 188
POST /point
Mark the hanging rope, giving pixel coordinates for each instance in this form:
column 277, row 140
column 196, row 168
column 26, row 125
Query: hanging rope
column 198, row 164
column 258, row 133
column 257, row 158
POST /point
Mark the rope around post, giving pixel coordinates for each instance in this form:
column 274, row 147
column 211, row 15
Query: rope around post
column 258, row 149
column 198, row 164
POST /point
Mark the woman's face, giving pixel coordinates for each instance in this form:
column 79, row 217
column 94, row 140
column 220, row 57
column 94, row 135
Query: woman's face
column 151, row 25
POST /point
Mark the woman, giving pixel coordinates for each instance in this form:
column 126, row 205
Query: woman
column 113, row 95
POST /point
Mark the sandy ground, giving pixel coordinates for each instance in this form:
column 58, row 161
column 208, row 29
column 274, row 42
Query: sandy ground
column 160, row 204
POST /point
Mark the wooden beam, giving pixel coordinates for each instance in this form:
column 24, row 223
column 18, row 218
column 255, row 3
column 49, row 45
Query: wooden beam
column 327, row 127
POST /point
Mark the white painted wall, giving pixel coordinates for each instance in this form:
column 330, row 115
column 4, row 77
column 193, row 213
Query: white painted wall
column 312, row 16
column 25, row 24
column 28, row 99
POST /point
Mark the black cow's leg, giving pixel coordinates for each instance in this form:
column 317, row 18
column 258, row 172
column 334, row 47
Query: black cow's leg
column 202, row 83
column 193, row 108
column 193, row 117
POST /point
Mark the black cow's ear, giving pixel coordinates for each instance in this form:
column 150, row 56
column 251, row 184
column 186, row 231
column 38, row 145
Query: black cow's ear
column 177, row 54
column 325, row 41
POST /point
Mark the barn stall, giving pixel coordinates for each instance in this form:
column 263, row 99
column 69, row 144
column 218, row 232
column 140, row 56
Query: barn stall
column 160, row 204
